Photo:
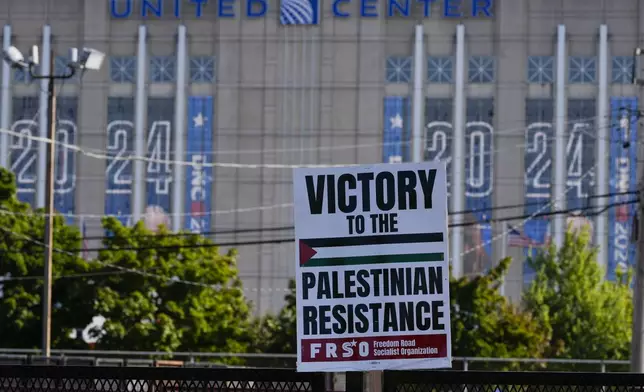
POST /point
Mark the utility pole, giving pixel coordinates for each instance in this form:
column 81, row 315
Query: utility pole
column 49, row 213
column 49, row 197
column 637, row 351
column 85, row 59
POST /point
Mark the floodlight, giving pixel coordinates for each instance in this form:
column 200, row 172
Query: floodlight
column 35, row 56
column 638, row 67
column 14, row 57
column 91, row 59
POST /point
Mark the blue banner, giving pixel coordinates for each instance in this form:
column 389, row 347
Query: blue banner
column 65, row 177
column 623, row 179
column 199, row 179
column 396, row 144
column 159, row 148
column 120, row 144
column 539, row 136
column 24, row 151
column 479, row 161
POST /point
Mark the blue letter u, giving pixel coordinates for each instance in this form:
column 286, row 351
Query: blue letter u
column 115, row 12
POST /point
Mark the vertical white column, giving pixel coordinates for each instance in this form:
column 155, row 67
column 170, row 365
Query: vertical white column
column 5, row 109
column 45, row 59
column 418, row 104
column 179, row 128
column 458, row 153
column 601, row 237
column 559, row 189
column 138, row 184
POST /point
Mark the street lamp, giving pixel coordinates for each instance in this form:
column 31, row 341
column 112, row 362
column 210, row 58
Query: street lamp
column 85, row 59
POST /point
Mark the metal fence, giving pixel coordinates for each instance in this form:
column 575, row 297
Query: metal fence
column 475, row 381
column 185, row 359
column 94, row 379
column 20, row 378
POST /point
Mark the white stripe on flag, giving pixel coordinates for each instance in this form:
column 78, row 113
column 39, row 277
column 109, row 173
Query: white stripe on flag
column 374, row 250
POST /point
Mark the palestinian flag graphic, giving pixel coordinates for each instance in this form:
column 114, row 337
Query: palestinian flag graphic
column 373, row 249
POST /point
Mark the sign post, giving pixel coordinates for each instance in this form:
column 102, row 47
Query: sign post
column 372, row 268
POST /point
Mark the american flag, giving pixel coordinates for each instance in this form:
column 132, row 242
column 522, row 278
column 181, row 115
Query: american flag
column 517, row 239
column 84, row 234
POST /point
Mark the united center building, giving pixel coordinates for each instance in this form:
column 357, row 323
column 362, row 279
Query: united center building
column 258, row 87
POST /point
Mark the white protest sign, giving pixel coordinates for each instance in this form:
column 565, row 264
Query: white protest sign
column 372, row 267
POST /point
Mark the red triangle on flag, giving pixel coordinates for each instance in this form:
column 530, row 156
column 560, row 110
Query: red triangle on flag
column 306, row 252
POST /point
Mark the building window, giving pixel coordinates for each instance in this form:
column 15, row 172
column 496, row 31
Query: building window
column 440, row 70
column 123, row 69
column 541, row 69
column 398, row 69
column 482, row 69
column 22, row 75
column 582, row 70
column 60, row 65
column 623, row 69
column 61, row 68
column 162, row 69
column 202, row 69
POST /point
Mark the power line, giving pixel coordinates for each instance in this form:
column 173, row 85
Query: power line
column 122, row 270
column 285, row 240
column 105, row 155
column 82, row 275
column 291, row 227
column 80, row 149
column 291, row 239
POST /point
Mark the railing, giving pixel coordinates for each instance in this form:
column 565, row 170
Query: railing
column 20, row 378
column 188, row 359
column 460, row 381
column 91, row 379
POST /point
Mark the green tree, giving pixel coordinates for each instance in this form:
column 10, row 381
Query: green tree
column 21, row 269
column 134, row 284
column 585, row 316
column 153, row 310
column 278, row 334
column 484, row 323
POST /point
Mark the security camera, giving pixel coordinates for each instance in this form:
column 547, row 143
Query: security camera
column 14, row 57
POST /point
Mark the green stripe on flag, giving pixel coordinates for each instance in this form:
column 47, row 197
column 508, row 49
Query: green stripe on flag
column 380, row 259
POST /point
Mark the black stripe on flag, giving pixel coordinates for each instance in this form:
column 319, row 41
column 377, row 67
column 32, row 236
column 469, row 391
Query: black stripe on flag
column 385, row 239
